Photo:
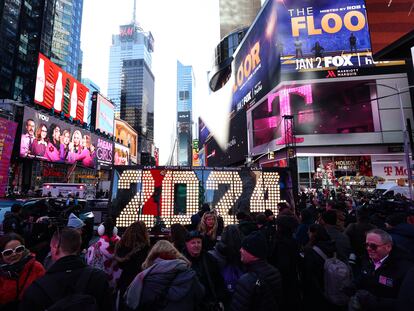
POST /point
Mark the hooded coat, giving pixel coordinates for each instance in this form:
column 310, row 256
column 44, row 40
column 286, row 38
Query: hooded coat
column 166, row 285
column 403, row 237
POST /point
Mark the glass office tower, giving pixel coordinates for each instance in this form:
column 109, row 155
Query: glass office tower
column 66, row 52
column 131, row 43
column 185, row 84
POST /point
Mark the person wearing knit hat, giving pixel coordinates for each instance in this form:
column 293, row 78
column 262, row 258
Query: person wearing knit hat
column 260, row 288
column 75, row 222
column 255, row 244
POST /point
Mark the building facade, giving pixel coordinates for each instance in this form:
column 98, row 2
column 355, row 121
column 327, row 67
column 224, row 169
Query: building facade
column 185, row 85
column 131, row 43
column 66, row 52
column 137, row 101
column 26, row 29
column 237, row 14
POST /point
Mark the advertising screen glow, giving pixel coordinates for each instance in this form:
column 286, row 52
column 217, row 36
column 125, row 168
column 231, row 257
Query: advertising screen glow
column 104, row 115
column 7, row 134
column 45, row 137
column 175, row 194
column 58, row 90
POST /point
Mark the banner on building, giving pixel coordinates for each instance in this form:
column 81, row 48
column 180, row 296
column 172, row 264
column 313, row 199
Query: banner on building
column 7, row 135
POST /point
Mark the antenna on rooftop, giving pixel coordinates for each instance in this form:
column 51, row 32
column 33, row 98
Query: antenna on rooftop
column 134, row 19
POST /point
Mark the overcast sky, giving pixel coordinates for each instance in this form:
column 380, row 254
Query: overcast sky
column 184, row 30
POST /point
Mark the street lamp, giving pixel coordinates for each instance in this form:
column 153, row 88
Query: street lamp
column 404, row 129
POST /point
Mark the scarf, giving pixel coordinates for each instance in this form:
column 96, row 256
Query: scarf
column 12, row 271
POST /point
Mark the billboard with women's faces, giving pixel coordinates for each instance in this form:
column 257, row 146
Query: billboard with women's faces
column 47, row 138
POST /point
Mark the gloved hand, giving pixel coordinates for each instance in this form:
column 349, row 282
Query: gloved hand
column 366, row 299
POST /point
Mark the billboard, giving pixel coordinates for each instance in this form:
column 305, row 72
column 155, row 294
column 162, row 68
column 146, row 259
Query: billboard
column 127, row 136
column 45, row 137
column 121, row 155
column 58, row 90
column 343, row 107
column 175, row 194
column 256, row 64
column 7, row 134
column 105, row 114
column 184, row 116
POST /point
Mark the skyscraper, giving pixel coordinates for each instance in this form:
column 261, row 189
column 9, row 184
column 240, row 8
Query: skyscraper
column 25, row 30
column 185, row 84
column 131, row 43
column 236, row 14
column 66, row 52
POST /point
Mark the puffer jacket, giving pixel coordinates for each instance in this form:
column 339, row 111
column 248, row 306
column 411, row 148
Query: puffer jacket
column 16, row 278
column 258, row 289
column 166, row 285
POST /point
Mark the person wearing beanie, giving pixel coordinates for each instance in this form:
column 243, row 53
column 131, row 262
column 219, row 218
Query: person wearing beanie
column 260, row 288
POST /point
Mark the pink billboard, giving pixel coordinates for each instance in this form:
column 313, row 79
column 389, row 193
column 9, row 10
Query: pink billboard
column 7, row 134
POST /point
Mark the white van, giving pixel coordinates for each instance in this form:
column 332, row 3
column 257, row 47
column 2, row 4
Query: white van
column 391, row 188
column 55, row 190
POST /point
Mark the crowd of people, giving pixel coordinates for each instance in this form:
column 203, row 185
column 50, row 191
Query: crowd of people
column 331, row 252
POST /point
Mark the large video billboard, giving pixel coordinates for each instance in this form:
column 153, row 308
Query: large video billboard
column 7, row 134
column 105, row 113
column 175, row 194
column 319, row 108
column 58, row 90
column 48, row 138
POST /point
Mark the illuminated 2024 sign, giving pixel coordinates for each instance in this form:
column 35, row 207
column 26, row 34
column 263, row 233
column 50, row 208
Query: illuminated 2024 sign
column 176, row 194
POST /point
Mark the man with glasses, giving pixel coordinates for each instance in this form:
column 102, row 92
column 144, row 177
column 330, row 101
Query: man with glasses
column 69, row 279
column 382, row 272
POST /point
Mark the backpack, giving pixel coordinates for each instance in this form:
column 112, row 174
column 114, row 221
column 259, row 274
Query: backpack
column 337, row 275
column 77, row 300
column 231, row 274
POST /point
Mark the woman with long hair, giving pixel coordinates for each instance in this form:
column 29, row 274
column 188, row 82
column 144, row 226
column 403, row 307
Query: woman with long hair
column 40, row 143
column 53, row 146
column 167, row 283
column 177, row 236
column 75, row 147
column 18, row 269
column 130, row 253
column 208, row 228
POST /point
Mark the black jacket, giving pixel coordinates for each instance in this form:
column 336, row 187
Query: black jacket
column 385, row 282
column 285, row 257
column 258, row 289
column 313, row 276
column 208, row 273
column 406, row 297
column 59, row 281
